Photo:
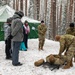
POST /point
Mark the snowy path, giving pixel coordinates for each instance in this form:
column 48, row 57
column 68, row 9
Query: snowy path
column 29, row 57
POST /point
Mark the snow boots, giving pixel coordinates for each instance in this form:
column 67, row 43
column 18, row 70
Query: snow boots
column 68, row 65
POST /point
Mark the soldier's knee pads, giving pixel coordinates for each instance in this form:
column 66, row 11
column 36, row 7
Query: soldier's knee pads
column 39, row 62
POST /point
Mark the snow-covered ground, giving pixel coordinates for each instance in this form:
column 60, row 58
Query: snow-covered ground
column 29, row 57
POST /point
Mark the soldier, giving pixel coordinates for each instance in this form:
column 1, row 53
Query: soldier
column 71, row 30
column 66, row 42
column 56, row 59
column 52, row 60
column 41, row 33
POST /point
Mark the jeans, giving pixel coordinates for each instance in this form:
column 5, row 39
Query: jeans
column 15, row 52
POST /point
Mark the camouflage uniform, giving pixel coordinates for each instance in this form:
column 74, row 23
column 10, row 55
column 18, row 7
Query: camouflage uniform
column 67, row 42
column 72, row 32
column 58, row 60
column 41, row 33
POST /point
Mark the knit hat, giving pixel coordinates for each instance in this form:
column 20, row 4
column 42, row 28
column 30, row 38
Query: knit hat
column 71, row 25
column 20, row 13
column 9, row 20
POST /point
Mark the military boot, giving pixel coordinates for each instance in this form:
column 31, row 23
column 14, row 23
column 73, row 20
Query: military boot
column 42, row 48
column 67, row 66
column 39, row 48
column 39, row 62
column 71, row 64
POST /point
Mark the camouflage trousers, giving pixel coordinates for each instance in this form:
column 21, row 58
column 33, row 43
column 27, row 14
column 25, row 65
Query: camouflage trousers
column 71, row 51
column 41, row 41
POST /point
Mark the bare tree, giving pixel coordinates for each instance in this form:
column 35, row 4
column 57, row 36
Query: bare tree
column 70, row 10
column 25, row 7
column 21, row 5
column 17, row 5
column 14, row 4
column 53, row 17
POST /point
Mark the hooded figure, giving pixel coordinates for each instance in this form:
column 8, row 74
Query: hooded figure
column 7, row 34
column 17, row 36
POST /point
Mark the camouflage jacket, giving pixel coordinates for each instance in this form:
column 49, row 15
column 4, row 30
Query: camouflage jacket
column 58, row 60
column 42, row 30
column 69, row 31
column 65, row 41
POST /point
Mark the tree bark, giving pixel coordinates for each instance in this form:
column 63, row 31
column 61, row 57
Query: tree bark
column 21, row 5
column 14, row 4
column 25, row 7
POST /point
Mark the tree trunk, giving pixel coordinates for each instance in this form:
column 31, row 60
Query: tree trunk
column 14, row 4
column 25, row 7
column 70, row 11
column 74, row 10
column 45, row 10
column 21, row 5
column 17, row 5
column 54, row 18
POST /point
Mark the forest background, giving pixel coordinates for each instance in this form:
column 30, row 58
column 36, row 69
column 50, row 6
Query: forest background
column 57, row 14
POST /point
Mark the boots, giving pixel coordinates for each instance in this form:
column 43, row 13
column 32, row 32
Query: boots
column 71, row 64
column 41, row 48
column 39, row 62
column 67, row 66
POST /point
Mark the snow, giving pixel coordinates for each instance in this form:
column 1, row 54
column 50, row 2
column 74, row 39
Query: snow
column 29, row 57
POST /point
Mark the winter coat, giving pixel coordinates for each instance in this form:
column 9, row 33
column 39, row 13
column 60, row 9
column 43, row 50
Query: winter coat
column 24, row 29
column 65, row 42
column 58, row 60
column 17, row 28
column 69, row 31
column 42, row 30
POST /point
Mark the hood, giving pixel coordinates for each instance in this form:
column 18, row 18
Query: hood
column 16, row 16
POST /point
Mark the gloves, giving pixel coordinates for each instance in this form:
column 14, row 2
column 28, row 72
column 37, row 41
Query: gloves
column 10, row 36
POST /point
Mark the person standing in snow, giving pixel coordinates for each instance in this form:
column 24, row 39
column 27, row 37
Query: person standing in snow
column 7, row 33
column 17, row 36
column 42, row 28
column 66, row 42
column 26, row 31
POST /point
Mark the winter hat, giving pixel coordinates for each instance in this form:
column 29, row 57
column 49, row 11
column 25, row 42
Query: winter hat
column 57, row 37
column 9, row 20
column 20, row 13
column 42, row 21
column 71, row 25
